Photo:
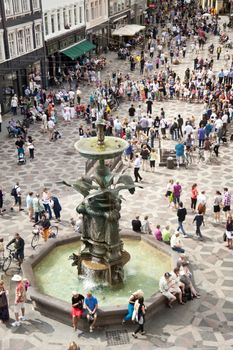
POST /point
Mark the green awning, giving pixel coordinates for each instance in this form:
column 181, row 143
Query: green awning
column 78, row 50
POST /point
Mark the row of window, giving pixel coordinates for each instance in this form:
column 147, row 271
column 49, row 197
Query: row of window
column 96, row 10
column 61, row 19
column 20, row 40
column 18, row 7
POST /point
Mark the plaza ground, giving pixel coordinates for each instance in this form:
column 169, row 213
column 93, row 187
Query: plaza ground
column 206, row 323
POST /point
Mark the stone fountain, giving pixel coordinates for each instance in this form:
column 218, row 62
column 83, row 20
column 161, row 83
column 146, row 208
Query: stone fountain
column 102, row 250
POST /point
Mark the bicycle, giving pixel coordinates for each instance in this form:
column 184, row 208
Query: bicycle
column 37, row 232
column 8, row 260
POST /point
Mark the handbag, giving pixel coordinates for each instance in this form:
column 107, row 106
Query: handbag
column 224, row 237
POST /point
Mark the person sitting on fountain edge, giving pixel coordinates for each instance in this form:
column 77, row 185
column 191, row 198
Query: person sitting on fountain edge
column 91, row 304
column 136, row 224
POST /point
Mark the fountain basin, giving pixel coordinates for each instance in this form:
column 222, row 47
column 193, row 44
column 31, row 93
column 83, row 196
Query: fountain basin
column 112, row 147
column 56, row 303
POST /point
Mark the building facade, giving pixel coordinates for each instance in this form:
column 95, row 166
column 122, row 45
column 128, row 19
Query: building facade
column 21, row 47
column 97, row 23
column 119, row 14
column 220, row 6
column 64, row 26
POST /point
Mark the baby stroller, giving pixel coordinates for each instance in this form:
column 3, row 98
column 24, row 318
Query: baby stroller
column 21, row 156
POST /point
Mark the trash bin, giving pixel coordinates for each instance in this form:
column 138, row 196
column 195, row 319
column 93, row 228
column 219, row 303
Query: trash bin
column 170, row 163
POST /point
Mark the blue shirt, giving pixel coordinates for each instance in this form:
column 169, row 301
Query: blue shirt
column 179, row 150
column 91, row 302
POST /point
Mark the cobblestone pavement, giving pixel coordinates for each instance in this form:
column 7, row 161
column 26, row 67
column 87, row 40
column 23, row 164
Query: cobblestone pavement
column 206, row 323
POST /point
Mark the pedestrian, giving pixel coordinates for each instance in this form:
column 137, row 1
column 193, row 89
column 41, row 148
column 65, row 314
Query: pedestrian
column 38, row 207
column 146, row 226
column 45, row 224
column 152, row 157
column 169, row 192
column 31, row 148
column 133, row 298
column 149, row 103
column 180, row 122
column 19, row 244
column 16, row 193
column 1, row 201
column 219, row 50
column 176, row 243
column 137, row 163
column 29, row 205
column 176, row 193
column 46, row 202
column 181, row 214
column 4, row 310
column 145, row 153
column 179, row 148
column 55, row 204
column 136, row 224
column 77, row 308
column 140, row 316
column 226, row 202
column 201, row 202
column 217, row 206
column 194, row 194
column 199, row 219
column 91, row 305
column 20, row 298
column 229, row 231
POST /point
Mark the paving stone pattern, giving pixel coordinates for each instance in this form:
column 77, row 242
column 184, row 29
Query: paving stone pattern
column 206, row 323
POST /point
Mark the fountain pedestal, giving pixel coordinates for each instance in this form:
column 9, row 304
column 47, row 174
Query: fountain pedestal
column 102, row 250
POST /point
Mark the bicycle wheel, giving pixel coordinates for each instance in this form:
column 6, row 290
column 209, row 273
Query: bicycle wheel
column 35, row 240
column 6, row 263
column 53, row 231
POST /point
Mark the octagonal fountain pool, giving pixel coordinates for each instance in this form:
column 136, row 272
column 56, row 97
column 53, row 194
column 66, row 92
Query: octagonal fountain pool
column 56, row 277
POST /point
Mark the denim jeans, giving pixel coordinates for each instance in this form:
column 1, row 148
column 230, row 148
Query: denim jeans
column 48, row 210
column 181, row 227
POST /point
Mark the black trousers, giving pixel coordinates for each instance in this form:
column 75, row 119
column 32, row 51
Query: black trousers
column 140, row 328
column 137, row 175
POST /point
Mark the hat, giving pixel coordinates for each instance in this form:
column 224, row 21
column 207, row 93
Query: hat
column 167, row 274
column 16, row 278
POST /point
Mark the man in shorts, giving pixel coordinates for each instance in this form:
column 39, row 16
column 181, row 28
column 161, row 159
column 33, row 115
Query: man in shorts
column 91, row 305
column 169, row 289
column 20, row 298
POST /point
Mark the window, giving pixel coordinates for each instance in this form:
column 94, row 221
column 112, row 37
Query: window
column 2, row 49
column 16, row 6
column 38, row 37
column 70, row 17
column 58, row 20
column 35, row 4
column 87, row 15
column 20, row 42
column 65, row 18
column 92, row 11
column 52, row 24
column 25, row 6
column 100, row 8
column 80, row 15
column 46, row 27
column 8, row 8
column 75, row 15
column 11, row 43
column 96, row 10
column 28, row 39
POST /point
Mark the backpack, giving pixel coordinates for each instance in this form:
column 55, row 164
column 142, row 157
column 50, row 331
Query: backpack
column 14, row 192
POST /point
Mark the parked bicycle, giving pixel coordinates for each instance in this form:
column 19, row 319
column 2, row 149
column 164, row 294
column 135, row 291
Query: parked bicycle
column 6, row 263
column 38, row 231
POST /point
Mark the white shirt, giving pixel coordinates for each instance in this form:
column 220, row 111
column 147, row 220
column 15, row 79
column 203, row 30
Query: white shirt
column 188, row 129
column 218, row 123
column 137, row 162
column 175, row 241
column 51, row 124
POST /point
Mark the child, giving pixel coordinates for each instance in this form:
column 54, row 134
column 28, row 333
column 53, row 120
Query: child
column 1, row 248
column 26, row 286
column 158, row 233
